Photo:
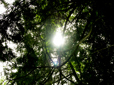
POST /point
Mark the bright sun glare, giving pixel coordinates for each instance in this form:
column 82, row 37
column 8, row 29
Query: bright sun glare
column 58, row 39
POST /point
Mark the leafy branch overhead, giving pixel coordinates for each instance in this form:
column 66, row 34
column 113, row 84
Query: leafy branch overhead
column 86, row 56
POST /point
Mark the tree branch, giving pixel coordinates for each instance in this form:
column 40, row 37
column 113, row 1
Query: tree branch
column 49, row 75
column 68, row 79
column 76, row 76
column 62, row 78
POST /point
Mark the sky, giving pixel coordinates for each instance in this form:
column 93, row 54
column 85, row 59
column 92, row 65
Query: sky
column 2, row 10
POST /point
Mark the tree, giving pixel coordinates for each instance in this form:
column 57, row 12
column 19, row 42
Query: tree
column 85, row 58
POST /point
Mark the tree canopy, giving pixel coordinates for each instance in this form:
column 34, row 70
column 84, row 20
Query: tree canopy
column 87, row 56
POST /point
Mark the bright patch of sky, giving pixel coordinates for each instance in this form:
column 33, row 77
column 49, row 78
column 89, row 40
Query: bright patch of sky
column 13, row 46
column 2, row 8
column 9, row 1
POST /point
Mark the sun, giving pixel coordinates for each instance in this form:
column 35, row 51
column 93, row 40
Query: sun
column 58, row 39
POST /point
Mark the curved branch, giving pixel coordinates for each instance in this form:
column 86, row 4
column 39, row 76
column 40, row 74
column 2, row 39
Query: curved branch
column 49, row 56
column 49, row 75
column 62, row 78
column 68, row 79
column 76, row 76
column 102, row 49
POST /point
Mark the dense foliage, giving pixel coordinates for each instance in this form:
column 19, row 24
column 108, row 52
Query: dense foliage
column 85, row 58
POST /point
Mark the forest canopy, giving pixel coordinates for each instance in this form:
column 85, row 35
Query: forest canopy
column 85, row 58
